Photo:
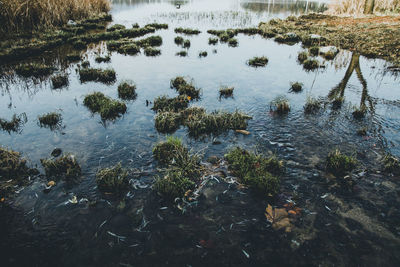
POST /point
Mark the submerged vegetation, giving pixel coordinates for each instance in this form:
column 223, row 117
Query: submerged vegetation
column 339, row 164
column 97, row 75
column 15, row 124
column 261, row 174
column 65, row 168
column 113, row 180
column 108, row 108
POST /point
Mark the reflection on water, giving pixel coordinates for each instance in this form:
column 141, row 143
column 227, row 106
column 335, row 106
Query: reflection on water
column 227, row 225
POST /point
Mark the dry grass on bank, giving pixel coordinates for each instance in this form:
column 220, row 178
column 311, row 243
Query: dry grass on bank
column 27, row 15
column 352, row 7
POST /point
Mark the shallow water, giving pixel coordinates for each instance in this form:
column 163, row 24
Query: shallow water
column 227, row 226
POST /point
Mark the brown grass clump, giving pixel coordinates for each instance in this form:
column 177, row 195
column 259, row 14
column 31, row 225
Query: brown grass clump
column 22, row 15
column 357, row 6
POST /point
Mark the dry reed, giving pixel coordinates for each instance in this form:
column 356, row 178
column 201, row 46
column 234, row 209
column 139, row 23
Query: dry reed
column 28, row 15
column 355, row 7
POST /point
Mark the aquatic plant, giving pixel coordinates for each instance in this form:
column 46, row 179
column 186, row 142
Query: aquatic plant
column 185, row 88
column 312, row 105
column 178, row 40
column 226, row 91
column 97, row 75
column 212, row 41
column 260, row 173
column 288, row 38
column 167, row 121
column 233, row 42
column 127, row 91
column 100, row 59
column 164, row 152
column 203, row 54
column 296, row 87
column 362, row 131
column 339, row 164
column 187, row 31
column 116, row 27
column 15, row 124
column 108, row 108
column 113, row 180
column 59, row 81
column 135, row 25
column 182, row 53
column 65, row 167
column 329, row 55
column 302, row 56
column 258, row 62
column 150, row 41
column 173, row 184
column 314, row 50
column 129, row 49
column 85, row 64
column 249, row 31
column 202, row 123
column 391, row 164
column 12, row 165
column 280, row 105
column 157, row 26
column 359, row 113
column 311, row 64
column 337, row 102
column 186, row 43
column 215, row 32
column 152, row 52
column 176, row 104
column 34, row 70
column 79, row 44
column 224, row 37
column 51, row 120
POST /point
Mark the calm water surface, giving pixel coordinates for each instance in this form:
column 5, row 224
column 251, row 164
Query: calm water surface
column 227, row 226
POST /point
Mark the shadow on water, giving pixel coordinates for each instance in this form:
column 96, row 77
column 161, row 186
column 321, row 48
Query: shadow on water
column 227, row 224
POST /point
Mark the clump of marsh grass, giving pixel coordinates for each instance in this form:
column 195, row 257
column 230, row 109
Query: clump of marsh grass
column 357, row 6
column 15, row 124
column 113, row 180
column 52, row 120
column 174, row 184
column 226, row 91
column 311, row 64
column 116, row 27
column 312, row 105
column 302, row 56
column 129, row 49
column 152, row 52
column 203, row 54
column 164, row 152
column 12, row 165
column 288, row 38
column 182, row 53
column 59, row 81
column 178, row 40
column 337, row 102
column 260, row 173
column 168, row 121
column 73, row 57
column 176, row 104
column 232, row 42
column 150, row 41
column 108, row 108
column 65, row 167
column 186, row 43
column 391, row 164
column 359, row 113
column 34, row 70
column 157, row 26
column 212, row 41
column 314, row 50
column 185, row 88
column 339, row 164
column 296, row 87
column 258, row 62
column 187, row 31
column 100, row 59
column 127, row 91
column 280, row 105
column 85, row 64
column 97, row 75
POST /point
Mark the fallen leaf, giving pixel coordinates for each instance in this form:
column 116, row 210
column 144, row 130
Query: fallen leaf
column 51, row 183
column 2, row 199
column 278, row 218
column 243, row 132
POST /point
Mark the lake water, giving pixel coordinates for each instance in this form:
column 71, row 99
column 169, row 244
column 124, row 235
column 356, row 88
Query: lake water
column 227, row 226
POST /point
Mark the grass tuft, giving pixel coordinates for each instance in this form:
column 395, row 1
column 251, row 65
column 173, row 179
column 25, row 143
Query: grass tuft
column 15, row 124
column 97, row 75
column 296, row 87
column 65, row 167
column 312, row 105
column 127, row 91
column 59, row 81
column 108, row 108
column 258, row 62
column 339, row 164
column 280, row 105
column 113, row 180
column 50, row 120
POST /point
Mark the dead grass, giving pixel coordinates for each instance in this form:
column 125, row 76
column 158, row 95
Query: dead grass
column 356, row 7
column 24, row 15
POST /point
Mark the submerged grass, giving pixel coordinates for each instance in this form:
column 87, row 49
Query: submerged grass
column 339, row 164
column 113, row 180
column 108, row 108
column 15, row 124
column 97, row 75
column 261, row 174
column 65, row 168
